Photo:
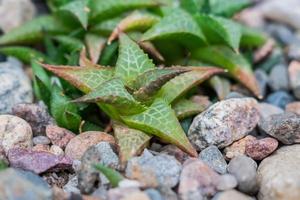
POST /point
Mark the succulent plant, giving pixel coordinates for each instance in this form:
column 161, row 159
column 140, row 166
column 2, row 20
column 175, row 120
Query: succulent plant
column 143, row 97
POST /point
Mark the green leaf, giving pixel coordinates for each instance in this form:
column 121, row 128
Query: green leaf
column 33, row 31
column 130, row 141
column 64, row 112
column 3, row 165
column 106, row 27
column 109, row 53
column 137, row 21
column 185, row 108
column 94, row 44
column 192, row 6
column 219, row 30
column 83, row 78
column 160, row 120
column 228, row 8
column 148, row 83
column 236, row 64
column 114, row 92
column 102, row 9
column 132, row 61
column 252, row 38
column 112, row 175
column 179, row 85
column 69, row 43
column 25, row 54
column 55, row 4
column 221, row 86
column 177, row 25
column 79, row 10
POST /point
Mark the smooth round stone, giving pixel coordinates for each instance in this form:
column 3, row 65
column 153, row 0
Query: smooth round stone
column 278, row 78
column 40, row 140
column 280, row 99
column 226, row 182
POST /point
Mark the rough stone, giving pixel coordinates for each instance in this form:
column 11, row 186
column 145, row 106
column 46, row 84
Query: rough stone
column 88, row 176
column 244, row 170
column 278, row 78
column 293, row 107
column 259, row 149
column 279, row 98
column 294, row 74
column 38, row 162
column 173, row 150
column 56, row 150
column 237, row 148
column 232, row 195
column 278, row 175
column 36, row 115
column 197, row 180
column 266, row 110
column 226, row 182
column 72, row 186
column 284, row 127
column 14, row 132
column 59, row 136
column 15, row 85
column 40, row 140
column 224, row 122
column 214, row 159
column 79, row 144
column 23, row 185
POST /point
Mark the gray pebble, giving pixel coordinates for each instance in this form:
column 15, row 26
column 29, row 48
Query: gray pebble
column 214, row 159
column 40, row 140
column 280, row 99
column 226, row 182
column 279, row 78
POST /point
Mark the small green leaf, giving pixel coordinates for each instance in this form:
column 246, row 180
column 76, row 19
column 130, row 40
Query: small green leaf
column 112, row 175
column 160, row 120
column 179, row 85
column 3, row 165
column 192, row 6
column 130, row 141
column 25, row 54
column 177, row 25
column 132, row 61
column 185, row 108
column 69, row 43
column 33, row 31
column 228, row 8
column 220, row 85
column 94, row 44
column 140, row 21
column 252, row 38
column 102, row 9
column 83, row 78
column 236, row 64
column 64, row 112
column 79, row 10
column 109, row 53
column 106, row 27
column 113, row 92
column 219, row 30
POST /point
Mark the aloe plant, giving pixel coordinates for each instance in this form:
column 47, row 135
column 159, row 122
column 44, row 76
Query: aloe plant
column 103, row 49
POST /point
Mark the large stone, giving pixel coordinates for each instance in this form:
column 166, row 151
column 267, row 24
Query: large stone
column 224, row 122
column 38, row 161
column 244, row 170
column 153, row 171
column 22, row 185
column 214, row 159
column 15, row 85
column 279, row 175
column 197, row 180
column 88, row 176
column 14, row 132
column 36, row 115
column 284, row 127
column 79, row 144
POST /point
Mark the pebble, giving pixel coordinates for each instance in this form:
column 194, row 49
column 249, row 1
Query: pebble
column 14, row 132
column 167, row 193
column 40, row 140
column 281, row 33
column 36, row 115
column 266, row 110
column 41, row 147
column 173, row 150
column 129, row 183
column 224, row 122
column 197, row 180
column 279, row 175
column 233, row 95
column 88, row 176
column 293, row 107
column 293, row 51
column 16, row 184
column 56, row 150
column 262, row 80
column 260, row 149
column 153, row 171
column 226, row 182
column 153, row 194
column 284, row 127
column 294, row 74
column 244, row 170
column 15, row 85
column 59, row 136
column 237, row 148
column 232, row 195
column 279, row 99
column 37, row 162
column 278, row 78
column 20, row 12
column 101, row 193
column 79, row 144
column 123, row 193
column 214, row 159
column 72, row 186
